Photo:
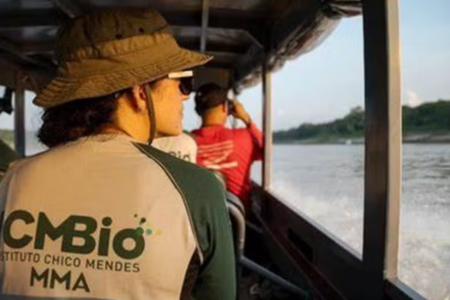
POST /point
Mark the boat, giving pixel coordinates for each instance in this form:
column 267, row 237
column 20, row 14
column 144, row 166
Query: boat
column 251, row 39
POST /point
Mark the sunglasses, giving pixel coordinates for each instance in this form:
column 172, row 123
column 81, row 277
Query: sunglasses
column 186, row 81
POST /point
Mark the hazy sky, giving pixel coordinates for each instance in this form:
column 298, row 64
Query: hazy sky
column 327, row 82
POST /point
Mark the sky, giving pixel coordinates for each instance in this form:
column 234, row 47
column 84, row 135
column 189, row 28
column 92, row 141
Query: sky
column 327, row 82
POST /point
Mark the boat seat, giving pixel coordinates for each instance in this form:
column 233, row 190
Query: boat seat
column 234, row 200
column 237, row 216
column 231, row 198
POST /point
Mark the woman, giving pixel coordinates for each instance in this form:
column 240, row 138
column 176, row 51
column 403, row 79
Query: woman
column 102, row 215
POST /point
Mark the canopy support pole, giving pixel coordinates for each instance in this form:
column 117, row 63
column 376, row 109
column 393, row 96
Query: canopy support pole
column 205, row 20
column 19, row 115
column 383, row 136
column 267, row 127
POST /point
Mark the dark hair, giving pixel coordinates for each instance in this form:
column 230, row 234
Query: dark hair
column 73, row 120
column 208, row 96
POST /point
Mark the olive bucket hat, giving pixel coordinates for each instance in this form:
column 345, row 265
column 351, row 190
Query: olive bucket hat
column 108, row 51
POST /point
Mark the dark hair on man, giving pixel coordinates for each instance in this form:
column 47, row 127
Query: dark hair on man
column 70, row 121
column 208, row 96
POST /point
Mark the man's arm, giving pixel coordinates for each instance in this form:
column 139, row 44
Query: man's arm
column 256, row 134
column 258, row 143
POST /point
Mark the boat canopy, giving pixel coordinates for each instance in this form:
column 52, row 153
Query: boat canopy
column 240, row 34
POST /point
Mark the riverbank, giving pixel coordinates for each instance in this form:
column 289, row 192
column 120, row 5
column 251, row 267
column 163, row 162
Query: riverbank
column 416, row 138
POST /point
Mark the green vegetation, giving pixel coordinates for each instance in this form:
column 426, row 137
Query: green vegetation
column 429, row 122
column 434, row 117
column 420, row 124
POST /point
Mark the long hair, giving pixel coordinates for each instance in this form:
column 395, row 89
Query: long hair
column 73, row 120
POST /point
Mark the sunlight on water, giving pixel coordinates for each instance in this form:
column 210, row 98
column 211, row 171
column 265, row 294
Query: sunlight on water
column 326, row 183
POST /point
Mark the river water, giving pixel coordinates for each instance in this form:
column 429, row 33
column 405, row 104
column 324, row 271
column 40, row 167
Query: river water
column 326, row 182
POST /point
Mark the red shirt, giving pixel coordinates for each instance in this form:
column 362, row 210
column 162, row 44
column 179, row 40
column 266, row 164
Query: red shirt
column 231, row 152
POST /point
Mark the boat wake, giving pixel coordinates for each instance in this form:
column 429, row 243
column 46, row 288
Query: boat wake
column 424, row 251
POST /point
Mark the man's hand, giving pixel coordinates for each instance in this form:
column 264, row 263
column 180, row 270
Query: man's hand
column 240, row 113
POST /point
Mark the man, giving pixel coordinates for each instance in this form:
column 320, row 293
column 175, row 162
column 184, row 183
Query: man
column 182, row 146
column 229, row 151
column 102, row 215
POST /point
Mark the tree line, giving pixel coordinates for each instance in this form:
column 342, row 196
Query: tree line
column 430, row 117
